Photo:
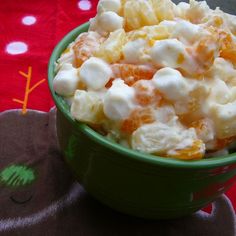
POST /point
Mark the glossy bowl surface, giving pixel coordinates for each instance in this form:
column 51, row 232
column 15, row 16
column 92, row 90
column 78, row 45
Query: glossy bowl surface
column 132, row 182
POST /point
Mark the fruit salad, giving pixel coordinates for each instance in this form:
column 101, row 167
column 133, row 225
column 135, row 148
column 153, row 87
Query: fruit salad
column 155, row 77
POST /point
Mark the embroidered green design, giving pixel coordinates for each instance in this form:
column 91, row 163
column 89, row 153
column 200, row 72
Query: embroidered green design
column 17, row 176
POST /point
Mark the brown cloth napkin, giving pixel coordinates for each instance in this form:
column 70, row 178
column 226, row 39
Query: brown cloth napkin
column 38, row 195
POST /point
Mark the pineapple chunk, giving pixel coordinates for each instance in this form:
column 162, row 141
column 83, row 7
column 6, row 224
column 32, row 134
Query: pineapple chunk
column 87, row 107
column 138, row 14
column 164, row 9
column 111, row 49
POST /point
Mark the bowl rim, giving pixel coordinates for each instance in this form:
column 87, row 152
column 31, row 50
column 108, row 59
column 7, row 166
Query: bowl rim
column 129, row 153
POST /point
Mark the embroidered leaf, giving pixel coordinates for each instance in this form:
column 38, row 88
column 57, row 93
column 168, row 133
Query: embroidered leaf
column 17, row 175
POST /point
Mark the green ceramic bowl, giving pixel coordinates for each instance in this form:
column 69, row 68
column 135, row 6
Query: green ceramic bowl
column 131, row 182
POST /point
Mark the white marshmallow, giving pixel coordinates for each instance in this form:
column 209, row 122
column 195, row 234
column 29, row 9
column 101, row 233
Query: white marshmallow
column 119, row 101
column 167, row 52
column 109, row 21
column 225, row 119
column 186, row 32
column 171, row 83
column 184, row 6
column 66, row 81
column 220, row 92
column 169, row 24
column 109, row 5
column 223, row 69
column 95, row 73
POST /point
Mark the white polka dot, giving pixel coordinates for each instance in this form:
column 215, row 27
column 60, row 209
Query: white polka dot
column 28, row 20
column 15, row 48
column 84, row 5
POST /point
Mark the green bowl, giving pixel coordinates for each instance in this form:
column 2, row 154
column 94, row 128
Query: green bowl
column 132, row 182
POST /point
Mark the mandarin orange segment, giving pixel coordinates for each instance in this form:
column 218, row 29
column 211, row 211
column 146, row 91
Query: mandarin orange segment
column 195, row 152
column 85, row 47
column 205, row 52
column 137, row 118
column 146, row 95
column 223, row 143
column 109, row 83
column 227, row 47
column 132, row 73
column 229, row 54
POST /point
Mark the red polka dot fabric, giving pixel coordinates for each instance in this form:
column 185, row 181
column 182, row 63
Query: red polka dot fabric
column 29, row 31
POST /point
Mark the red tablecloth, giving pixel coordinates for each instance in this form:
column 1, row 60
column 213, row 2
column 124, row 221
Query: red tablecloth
column 29, row 31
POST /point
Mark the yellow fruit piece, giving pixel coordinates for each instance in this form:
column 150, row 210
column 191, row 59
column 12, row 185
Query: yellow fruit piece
column 111, row 49
column 87, row 107
column 131, row 16
column 147, row 13
column 195, row 152
column 139, row 13
column 164, row 9
column 151, row 33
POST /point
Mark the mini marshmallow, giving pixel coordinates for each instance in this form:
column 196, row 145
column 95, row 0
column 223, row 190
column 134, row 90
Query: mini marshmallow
column 109, row 5
column 168, row 52
column 171, row 84
column 95, row 73
column 224, row 117
column 66, row 81
column 119, row 101
column 186, row 32
column 109, row 21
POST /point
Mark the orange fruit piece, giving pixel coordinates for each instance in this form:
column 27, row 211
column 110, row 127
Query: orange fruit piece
column 195, row 152
column 223, row 143
column 136, row 119
column 228, row 47
column 132, row 73
column 205, row 52
column 146, row 94
column 85, row 47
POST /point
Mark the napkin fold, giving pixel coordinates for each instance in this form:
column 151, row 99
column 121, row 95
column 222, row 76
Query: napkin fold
column 39, row 196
